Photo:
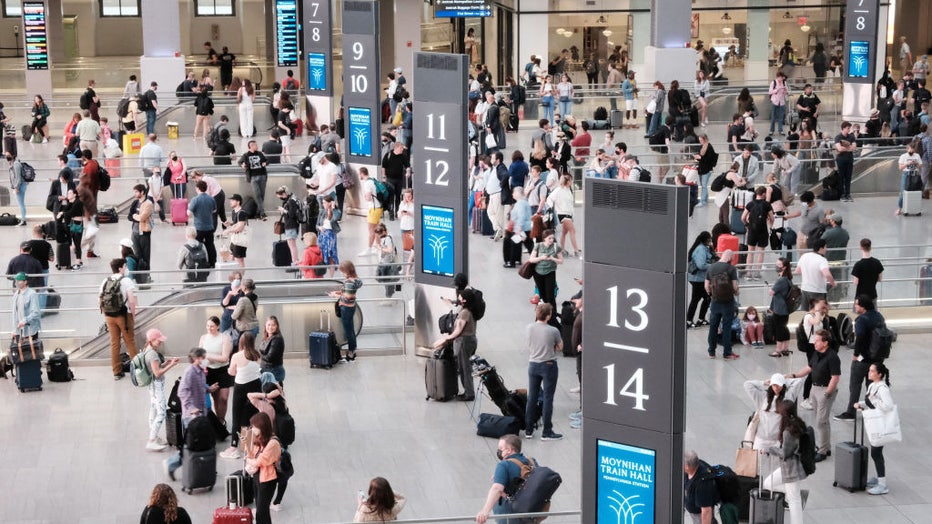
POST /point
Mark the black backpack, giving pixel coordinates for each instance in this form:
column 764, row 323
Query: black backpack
column 284, row 428
column 196, row 258
column 600, row 113
column 142, row 103
column 103, row 179
column 479, row 306
column 726, row 482
column 200, row 435
column 757, row 219
column 213, row 138
column 85, row 101
column 807, row 450
column 882, row 339
column 122, row 108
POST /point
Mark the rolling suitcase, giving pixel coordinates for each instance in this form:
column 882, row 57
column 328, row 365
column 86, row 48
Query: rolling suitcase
column 617, row 118
column 179, row 208
column 173, row 429
column 476, row 219
column 281, row 254
column 63, row 255
column 912, row 203
column 766, row 505
column 323, row 351
column 440, row 375
column 851, row 462
column 745, row 485
column 228, row 515
column 29, row 375
column 199, row 470
column 513, row 122
column 239, row 489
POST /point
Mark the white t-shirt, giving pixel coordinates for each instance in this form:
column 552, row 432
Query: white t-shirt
column 368, row 188
column 906, row 158
column 406, row 222
column 327, row 178
column 810, row 266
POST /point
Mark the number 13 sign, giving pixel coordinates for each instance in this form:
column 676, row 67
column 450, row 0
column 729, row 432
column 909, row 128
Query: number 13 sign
column 629, row 332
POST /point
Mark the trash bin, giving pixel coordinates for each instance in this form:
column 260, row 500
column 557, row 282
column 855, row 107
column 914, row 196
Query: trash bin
column 172, row 130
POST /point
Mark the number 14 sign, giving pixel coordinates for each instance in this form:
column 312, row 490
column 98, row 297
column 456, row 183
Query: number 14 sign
column 634, row 355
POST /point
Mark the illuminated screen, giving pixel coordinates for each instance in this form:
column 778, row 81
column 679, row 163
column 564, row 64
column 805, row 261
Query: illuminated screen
column 859, row 58
column 437, row 242
column 286, row 31
column 34, row 31
column 360, row 131
column 626, row 483
column 316, row 72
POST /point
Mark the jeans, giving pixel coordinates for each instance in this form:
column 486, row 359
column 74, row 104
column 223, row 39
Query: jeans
column 845, row 169
column 777, row 115
column 899, row 201
column 542, row 378
column 722, row 313
column 654, row 122
column 699, row 294
column 503, row 508
column 150, row 121
column 791, row 180
column 158, row 405
column 566, row 108
column 548, row 112
column 21, row 199
column 704, row 185
column 347, row 313
column 278, row 372
column 258, row 183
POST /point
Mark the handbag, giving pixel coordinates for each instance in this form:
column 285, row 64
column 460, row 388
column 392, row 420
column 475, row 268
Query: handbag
column 20, row 352
column 407, row 241
column 651, row 106
column 746, row 460
column 526, row 271
column 751, row 432
column 490, row 141
column 242, row 238
column 546, row 101
column 882, row 427
column 279, row 228
column 337, row 310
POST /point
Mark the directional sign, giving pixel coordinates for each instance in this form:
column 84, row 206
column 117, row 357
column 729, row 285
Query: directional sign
column 318, row 47
column 463, row 8
column 860, row 40
column 361, row 93
column 36, row 35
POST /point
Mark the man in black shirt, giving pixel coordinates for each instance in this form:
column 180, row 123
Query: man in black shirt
column 825, row 367
column 735, row 132
column 224, row 150
column 722, row 309
column 867, row 272
column 254, row 163
column 211, row 54
column 395, row 168
column 868, row 319
column 758, row 215
column 808, row 106
column 700, row 494
column 227, row 61
column 272, row 148
column 24, row 262
column 846, row 143
column 43, row 252
column 920, row 95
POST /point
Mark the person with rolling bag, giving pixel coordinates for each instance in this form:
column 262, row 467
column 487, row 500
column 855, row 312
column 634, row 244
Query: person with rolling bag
column 192, row 395
column 796, row 452
column 881, row 421
column 263, row 453
column 346, row 305
column 25, row 346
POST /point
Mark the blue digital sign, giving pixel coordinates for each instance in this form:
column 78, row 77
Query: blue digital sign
column 316, row 72
column 360, row 131
column 859, row 58
column 286, row 32
column 437, row 243
column 626, row 484
column 462, row 8
column 36, row 36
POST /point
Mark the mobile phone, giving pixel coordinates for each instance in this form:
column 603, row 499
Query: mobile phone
column 362, row 495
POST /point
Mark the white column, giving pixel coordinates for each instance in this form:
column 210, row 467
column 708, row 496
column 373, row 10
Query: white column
column 533, row 39
column 668, row 58
column 407, row 35
column 162, row 60
column 756, row 66
column 640, row 38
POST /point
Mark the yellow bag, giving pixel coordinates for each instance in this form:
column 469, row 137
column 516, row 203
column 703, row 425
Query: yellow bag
column 398, row 116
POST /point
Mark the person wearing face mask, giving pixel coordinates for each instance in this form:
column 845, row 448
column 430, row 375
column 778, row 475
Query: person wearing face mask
column 503, row 480
column 192, row 392
column 178, row 175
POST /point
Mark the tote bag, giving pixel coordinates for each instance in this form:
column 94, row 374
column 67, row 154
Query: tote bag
column 882, row 427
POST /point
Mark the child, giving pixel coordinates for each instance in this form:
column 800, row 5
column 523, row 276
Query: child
column 105, row 132
column 752, row 328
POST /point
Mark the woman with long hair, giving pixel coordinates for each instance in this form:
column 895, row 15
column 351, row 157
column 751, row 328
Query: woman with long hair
column 163, row 508
column 70, row 129
column 219, row 347
column 179, row 175
column 877, row 397
column 779, row 309
column 788, row 476
column 547, row 254
column 701, row 255
column 347, row 304
column 246, row 97
column 563, row 203
column 547, row 100
column 272, row 350
column 565, row 92
column 745, row 101
column 245, row 369
column 767, row 396
column 380, row 504
column 658, row 101
column 463, row 338
column 261, row 459
column 706, row 159
column 40, row 118
column 702, row 89
column 71, row 216
column 206, row 81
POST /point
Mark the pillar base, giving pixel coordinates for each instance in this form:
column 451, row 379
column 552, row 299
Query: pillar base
column 856, row 102
column 668, row 64
column 168, row 71
column 318, row 111
column 756, row 72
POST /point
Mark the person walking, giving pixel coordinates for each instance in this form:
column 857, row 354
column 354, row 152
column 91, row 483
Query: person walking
column 261, row 460
column 543, row 342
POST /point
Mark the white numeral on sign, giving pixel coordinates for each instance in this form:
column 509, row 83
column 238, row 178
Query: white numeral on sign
column 315, row 6
column 443, row 167
column 357, row 51
column 636, row 382
column 637, row 309
column 315, row 34
column 441, row 127
column 358, row 83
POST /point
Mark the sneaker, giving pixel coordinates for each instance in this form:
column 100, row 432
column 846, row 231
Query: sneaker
column 871, row 482
column 45, row 140
column 153, row 445
column 168, row 470
column 690, row 325
column 576, row 415
column 577, row 389
column 576, row 424
column 733, row 356
column 879, row 489
column 847, row 417
column 364, row 253
column 528, row 435
column 275, row 507
column 162, row 441
column 119, row 376
column 232, row 454
column 551, row 436
column 806, row 404
column 702, row 322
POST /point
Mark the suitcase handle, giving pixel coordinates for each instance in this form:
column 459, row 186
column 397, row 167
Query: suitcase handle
column 760, row 475
column 322, row 319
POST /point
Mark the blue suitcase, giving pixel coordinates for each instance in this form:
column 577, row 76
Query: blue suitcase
column 323, row 351
column 29, row 375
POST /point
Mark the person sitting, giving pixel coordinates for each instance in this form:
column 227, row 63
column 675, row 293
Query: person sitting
column 381, row 504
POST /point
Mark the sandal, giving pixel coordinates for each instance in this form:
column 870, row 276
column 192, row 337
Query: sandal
column 776, row 354
column 786, row 352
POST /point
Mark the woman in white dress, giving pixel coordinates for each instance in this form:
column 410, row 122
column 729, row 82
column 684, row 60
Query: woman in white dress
column 245, row 97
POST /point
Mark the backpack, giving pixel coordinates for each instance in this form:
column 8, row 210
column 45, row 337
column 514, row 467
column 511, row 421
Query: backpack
column 122, row 108
column 726, row 483
column 284, row 467
column 642, row 175
column 28, row 172
column 757, row 219
column 306, row 167
column 291, row 84
column 793, row 297
column 199, row 436
column 479, row 310
column 103, row 179
column 142, row 103
column 196, row 258
column 721, row 287
column 284, row 428
column 85, row 101
column 600, row 113
column 141, row 275
column 882, row 339
column 817, row 232
column 718, row 183
column 302, row 209
column 535, row 488
column 807, row 450
column 522, row 95
column 213, row 138
column 381, row 193
column 111, row 298
column 139, row 372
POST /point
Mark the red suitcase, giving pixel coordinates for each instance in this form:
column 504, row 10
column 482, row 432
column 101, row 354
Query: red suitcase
column 227, row 515
column 179, row 211
column 298, row 127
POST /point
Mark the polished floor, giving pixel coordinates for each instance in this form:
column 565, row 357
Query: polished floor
column 75, row 451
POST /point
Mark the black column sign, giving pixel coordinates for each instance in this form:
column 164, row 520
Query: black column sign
column 861, row 40
column 439, row 160
column 361, row 92
column 286, row 32
column 318, row 47
column 634, row 339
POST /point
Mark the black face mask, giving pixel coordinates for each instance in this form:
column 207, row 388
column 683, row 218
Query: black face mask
column 498, row 454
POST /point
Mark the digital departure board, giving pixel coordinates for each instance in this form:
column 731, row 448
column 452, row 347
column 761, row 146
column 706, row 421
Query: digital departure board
column 286, row 32
column 462, row 8
column 36, row 36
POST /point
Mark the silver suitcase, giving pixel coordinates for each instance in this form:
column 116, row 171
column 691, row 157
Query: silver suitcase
column 617, row 118
column 912, row 203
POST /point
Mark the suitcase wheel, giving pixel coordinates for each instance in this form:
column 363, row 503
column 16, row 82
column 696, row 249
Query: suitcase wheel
column 835, row 484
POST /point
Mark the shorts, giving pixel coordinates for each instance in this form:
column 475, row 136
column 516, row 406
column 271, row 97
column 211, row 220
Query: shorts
column 220, row 376
column 631, row 105
column 291, row 234
column 561, row 218
column 237, row 251
column 374, row 216
column 758, row 238
column 286, row 139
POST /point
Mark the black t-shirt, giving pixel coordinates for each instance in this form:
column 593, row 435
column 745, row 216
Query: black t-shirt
column 758, row 211
column 735, row 131
column 920, row 96
column 272, row 149
column 41, row 251
column 226, row 63
column 700, row 491
column 253, row 162
column 395, row 165
column 26, row 264
column 850, row 138
column 222, row 153
column 809, row 103
column 867, row 271
column 91, row 94
column 721, row 267
column 824, row 366
column 155, row 515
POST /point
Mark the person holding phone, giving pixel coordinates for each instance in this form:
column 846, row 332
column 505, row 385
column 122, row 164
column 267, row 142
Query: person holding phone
column 158, row 406
column 380, row 503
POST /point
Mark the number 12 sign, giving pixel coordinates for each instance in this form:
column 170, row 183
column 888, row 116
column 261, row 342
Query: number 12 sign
column 629, row 322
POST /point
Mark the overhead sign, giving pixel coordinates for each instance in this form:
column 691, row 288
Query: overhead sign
column 860, row 32
column 462, row 8
column 286, row 32
column 361, row 92
column 36, row 36
column 318, row 47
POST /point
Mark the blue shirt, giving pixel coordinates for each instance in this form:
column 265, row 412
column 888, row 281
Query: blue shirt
column 203, row 208
column 521, row 215
column 507, row 471
column 518, row 171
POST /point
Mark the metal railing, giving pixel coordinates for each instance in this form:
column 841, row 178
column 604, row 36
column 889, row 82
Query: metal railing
column 493, row 518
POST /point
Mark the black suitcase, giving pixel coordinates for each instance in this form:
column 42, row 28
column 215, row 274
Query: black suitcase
column 29, row 375
column 57, row 367
column 851, row 462
column 9, row 145
column 107, row 216
column 766, row 505
column 513, row 122
column 281, row 254
column 199, row 470
column 173, row 429
column 52, row 303
column 239, row 489
column 769, row 334
column 322, row 348
column 63, row 255
column 440, row 375
column 567, row 319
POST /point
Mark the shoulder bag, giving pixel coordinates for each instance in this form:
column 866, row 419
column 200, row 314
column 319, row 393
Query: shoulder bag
column 882, row 427
column 242, row 238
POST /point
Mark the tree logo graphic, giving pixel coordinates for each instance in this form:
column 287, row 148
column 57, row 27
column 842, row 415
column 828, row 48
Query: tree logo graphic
column 318, row 74
column 860, row 63
column 359, row 135
column 625, row 509
column 438, row 247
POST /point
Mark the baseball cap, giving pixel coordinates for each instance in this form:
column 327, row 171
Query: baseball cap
column 155, row 334
column 398, row 70
column 126, row 242
column 25, row 246
column 778, row 379
column 20, row 276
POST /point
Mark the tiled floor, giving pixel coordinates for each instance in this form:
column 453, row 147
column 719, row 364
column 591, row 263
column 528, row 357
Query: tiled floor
column 74, row 452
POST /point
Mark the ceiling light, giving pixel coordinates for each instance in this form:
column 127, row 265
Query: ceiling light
column 560, row 30
column 726, row 30
column 805, row 28
column 607, row 32
column 567, row 33
column 726, row 16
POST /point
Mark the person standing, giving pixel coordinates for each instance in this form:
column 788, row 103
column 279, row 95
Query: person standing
column 866, row 272
column 380, row 503
column 245, row 97
column 27, row 317
column 151, row 104
column 816, row 275
column 878, row 397
column 216, row 193
column 758, row 217
column 261, row 459
column 347, row 304
column 374, row 213
column 846, row 144
column 244, row 367
column 701, row 257
column 868, row 319
column 543, row 341
column 18, row 183
column 227, row 61
column 547, row 254
column 192, row 393
column 778, row 94
column 396, row 168
column 825, row 368
column 464, row 341
column 254, row 164
column 202, row 209
column 721, row 283
column 779, row 308
column 88, row 131
column 504, row 485
column 203, row 109
column 118, row 303
column 141, row 218
column 158, row 365
column 163, row 508
column 290, row 210
column 908, row 162
column 787, row 477
column 493, row 125
column 808, row 106
column 272, row 349
column 906, row 56
column 218, row 349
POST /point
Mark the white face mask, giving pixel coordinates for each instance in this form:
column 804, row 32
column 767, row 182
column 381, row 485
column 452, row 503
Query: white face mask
column 752, row 316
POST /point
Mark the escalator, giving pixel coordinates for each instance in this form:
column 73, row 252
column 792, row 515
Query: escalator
column 183, row 114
